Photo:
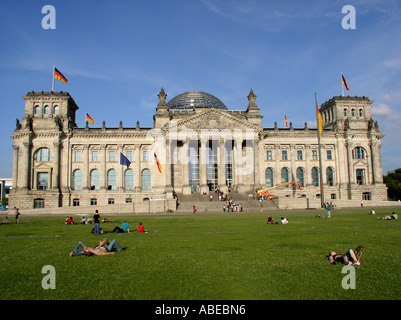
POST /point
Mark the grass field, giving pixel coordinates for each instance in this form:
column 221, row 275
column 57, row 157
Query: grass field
column 205, row 257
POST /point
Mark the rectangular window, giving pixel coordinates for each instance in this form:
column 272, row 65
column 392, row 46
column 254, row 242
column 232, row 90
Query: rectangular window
column 43, row 180
column 93, row 202
column 329, row 155
column 75, row 202
column 146, row 155
column 38, row 203
column 360, row 176
column 299, row 155
column 112, row 156
column 77, row 155
column 110, row 201
column 269, row 155
column 95, row 155
column 314, row 155
column 284, row 155
column 128, row 154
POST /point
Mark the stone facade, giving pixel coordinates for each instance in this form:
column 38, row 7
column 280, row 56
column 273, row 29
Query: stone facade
column 200, row 144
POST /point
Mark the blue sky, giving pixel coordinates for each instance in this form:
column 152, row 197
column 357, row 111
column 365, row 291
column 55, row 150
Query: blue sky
column 118, row 54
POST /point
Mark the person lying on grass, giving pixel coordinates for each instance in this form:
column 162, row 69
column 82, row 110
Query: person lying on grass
column 103, row 248
column 351, row 257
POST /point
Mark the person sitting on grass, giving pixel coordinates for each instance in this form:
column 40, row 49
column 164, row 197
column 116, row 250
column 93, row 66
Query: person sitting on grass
column 270, row 220
column 69, row 220
column 284, row 220
column 124, row 227
column 350, row 258
column 103, row 248
column 141, row 228
column 5, row 220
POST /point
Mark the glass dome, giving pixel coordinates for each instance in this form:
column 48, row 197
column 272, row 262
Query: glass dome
column 195, row 99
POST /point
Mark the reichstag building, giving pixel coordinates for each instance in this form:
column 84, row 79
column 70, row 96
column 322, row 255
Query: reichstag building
column 201, row 145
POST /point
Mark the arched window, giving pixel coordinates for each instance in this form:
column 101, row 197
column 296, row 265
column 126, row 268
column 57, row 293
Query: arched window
column 77, row 180
column 330, row 176
column 269, row 177
column 112, row 179
column 145, row 180
column 361, row 112
column 37, row 109
column 56, row 109
column 129, row 179
column 300, row 177
column 94, row 178
column 358, row 153
column 43, row 154
column 315, row 176
column 353, row 112
column 345, row 112
column 46, row 109
column 285, row 175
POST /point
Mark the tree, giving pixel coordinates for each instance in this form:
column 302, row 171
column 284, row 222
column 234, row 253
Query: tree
column 393, row 183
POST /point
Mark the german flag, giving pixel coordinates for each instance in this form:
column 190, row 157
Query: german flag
column 285, row 120
column 88, row 118
column 158, row 163
column 319, row 121
column 344, row 82
column 59, row 76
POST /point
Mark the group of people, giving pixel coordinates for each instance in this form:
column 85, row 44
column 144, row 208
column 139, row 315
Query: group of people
column 283, row 220
column 17, row 214
column 230, row 205
column 97, row 228
column 104, row 247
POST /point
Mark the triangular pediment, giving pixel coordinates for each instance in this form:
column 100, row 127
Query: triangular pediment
column 213, row 119
column 43, row 166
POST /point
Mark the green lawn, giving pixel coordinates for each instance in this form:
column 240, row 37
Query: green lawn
column 205, row 256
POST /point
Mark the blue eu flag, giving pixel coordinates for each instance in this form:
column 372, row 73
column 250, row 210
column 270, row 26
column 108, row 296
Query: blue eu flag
column 124, row 160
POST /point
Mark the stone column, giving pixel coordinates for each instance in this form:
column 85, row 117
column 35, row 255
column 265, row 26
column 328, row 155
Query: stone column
column 85, row 173
column 222, row 166
column 56, row 164
column 202, row 167
column 169, row 187
column 25, row 166
column 121, row 168
column 15, row 167
column 137, row 167
column 186, row 188
column 103, row 173
column 257, row 175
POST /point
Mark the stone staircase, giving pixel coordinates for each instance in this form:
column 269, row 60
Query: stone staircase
column 203, row 205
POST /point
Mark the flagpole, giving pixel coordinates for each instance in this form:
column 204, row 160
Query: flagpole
column 154, row 192
column 53, row 80
column 320, row 158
